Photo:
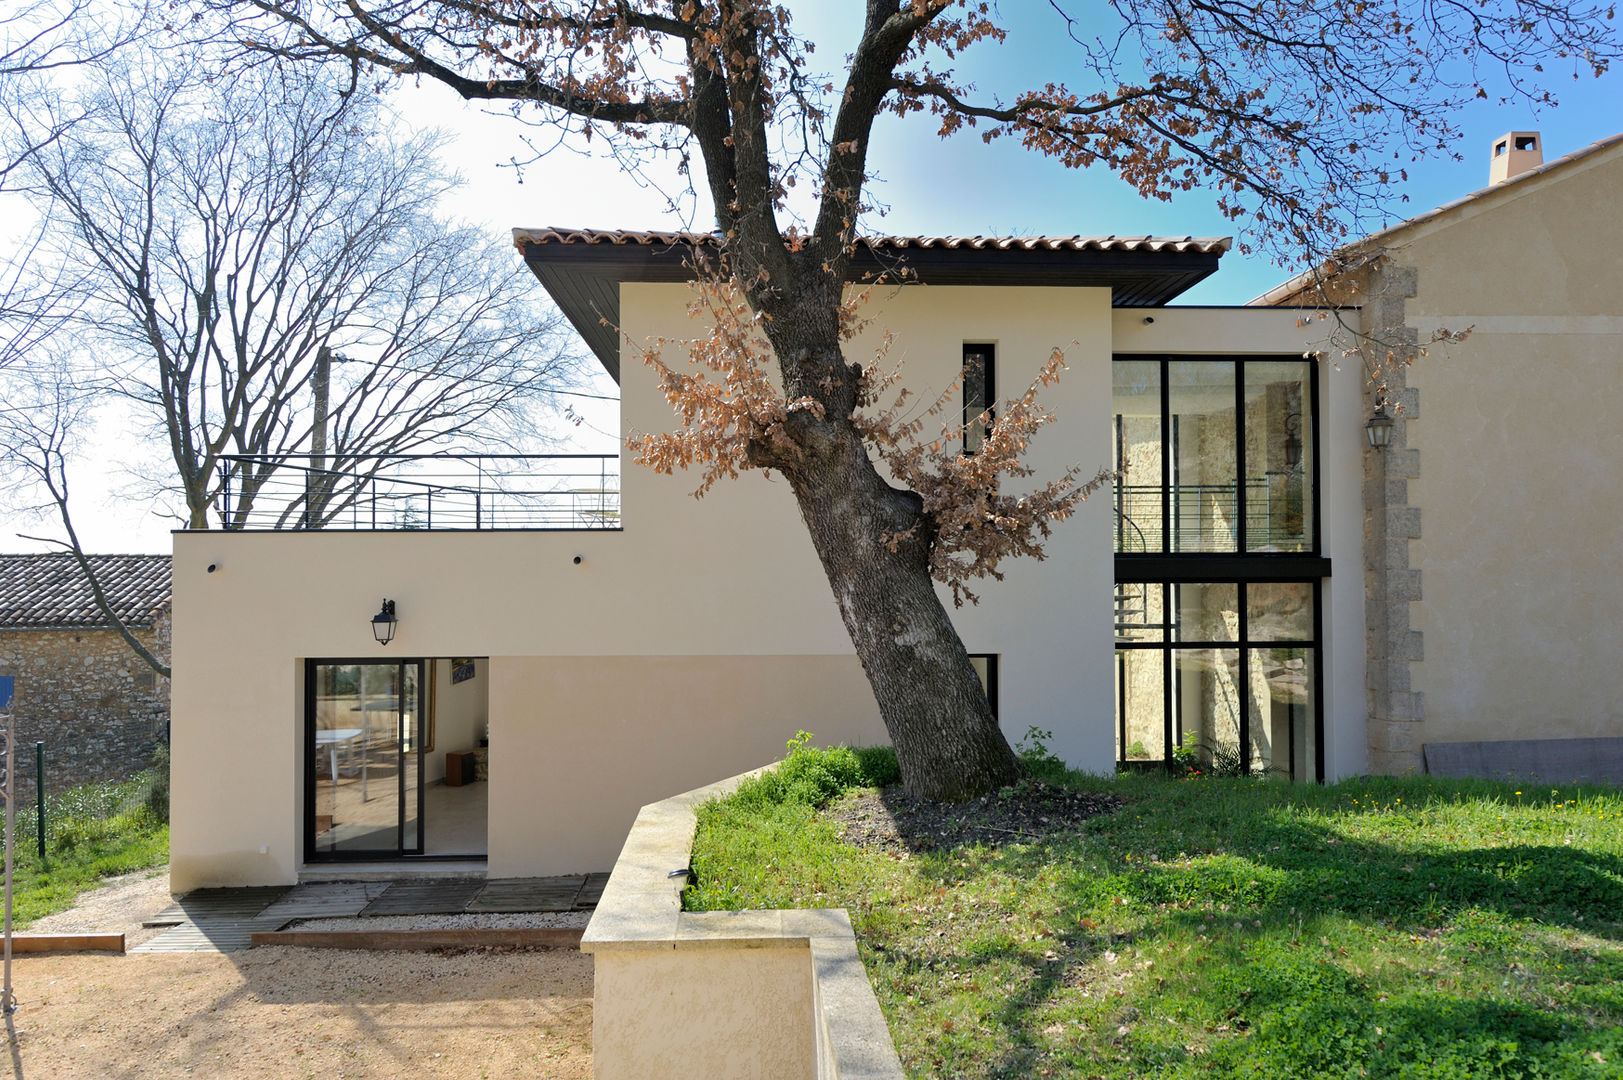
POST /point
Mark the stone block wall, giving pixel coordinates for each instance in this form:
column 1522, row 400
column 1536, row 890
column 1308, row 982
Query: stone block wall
column 1397, row 712
column 98, row 707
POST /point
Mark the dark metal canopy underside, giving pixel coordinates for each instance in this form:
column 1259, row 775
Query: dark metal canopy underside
column 583, row 268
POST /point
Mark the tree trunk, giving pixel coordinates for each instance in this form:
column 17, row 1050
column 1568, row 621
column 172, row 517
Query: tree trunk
column 934, row 707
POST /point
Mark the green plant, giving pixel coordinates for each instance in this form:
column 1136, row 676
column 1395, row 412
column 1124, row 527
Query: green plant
column 1041, row 763
column 813, row 775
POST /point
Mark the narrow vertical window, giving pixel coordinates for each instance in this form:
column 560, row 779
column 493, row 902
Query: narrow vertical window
column 980, row 394
column 985, row 665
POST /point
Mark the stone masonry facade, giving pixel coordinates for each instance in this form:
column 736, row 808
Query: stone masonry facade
column 99, row 708
column 1392, row 582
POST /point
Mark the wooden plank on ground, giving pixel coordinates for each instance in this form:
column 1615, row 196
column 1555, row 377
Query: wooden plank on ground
column 566, row 937
column 215, row 903
column 591, row 892
column 529, row 894
column 52, row 943
column 425, row 898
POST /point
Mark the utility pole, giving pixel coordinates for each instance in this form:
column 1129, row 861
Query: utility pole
column 315, row 479
column 8, row 713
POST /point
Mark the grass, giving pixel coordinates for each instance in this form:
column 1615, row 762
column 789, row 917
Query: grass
column 93, row 832
column 1405, row 928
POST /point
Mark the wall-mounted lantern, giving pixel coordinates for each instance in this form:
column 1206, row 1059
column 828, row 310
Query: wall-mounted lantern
column 384, row 623
column 1379, row 427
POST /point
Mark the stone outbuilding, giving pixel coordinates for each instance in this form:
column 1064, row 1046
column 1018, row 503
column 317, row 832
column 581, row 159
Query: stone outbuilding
column 99, row 708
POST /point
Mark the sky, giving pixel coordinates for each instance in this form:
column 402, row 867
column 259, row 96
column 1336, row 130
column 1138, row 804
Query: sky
column 926, row 185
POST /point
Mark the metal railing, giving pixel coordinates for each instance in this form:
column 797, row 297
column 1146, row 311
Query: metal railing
column 1203, row 516
column 420, row 491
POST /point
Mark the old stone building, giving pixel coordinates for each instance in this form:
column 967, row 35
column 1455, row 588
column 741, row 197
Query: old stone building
column 99, row 708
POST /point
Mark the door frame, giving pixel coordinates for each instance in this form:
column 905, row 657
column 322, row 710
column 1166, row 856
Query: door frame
column 311, row 756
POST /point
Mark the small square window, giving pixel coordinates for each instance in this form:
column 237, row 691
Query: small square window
column 146, row 681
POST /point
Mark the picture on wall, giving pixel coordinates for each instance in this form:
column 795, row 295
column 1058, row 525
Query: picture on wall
column 461, row 671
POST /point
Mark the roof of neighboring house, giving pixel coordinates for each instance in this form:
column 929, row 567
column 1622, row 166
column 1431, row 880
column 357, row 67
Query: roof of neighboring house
column 48, row 592
column 583, row 268
column 1288, row 290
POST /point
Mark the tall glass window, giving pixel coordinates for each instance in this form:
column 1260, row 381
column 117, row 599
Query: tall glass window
column 1215, row 456
column 1224, row 672
column 1217, row 566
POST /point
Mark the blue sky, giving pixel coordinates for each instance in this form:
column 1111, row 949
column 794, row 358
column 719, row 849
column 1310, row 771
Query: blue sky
column 962, row 186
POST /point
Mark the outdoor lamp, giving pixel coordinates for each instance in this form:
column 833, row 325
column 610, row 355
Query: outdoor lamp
column 1379, row 428
column 384, row 622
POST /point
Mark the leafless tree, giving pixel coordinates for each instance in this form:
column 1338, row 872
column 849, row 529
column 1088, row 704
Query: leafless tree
column 257, row 245
column 1290, row 111
column 37, row 445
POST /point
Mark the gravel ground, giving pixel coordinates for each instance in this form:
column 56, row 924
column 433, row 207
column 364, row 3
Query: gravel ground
column 475, row 921
column 121, row 903
column 294, row 1013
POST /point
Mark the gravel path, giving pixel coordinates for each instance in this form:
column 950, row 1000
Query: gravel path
column 295, row 1013
column 292, row 1013
column 121, row 904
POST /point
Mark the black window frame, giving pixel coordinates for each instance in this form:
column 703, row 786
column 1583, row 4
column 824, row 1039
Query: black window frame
column 983, row 354
column 990, row 684
column 1167, row 567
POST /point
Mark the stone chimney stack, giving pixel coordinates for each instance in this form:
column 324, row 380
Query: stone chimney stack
column 1514, row 154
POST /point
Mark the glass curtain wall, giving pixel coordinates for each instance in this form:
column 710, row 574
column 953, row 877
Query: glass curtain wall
column 1216, row 636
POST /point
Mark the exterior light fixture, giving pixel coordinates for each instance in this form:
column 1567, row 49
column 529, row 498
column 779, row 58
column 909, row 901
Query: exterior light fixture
column 384, row 622
column 1379, row 427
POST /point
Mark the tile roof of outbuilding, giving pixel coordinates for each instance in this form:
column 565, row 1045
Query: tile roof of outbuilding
column 39, row 592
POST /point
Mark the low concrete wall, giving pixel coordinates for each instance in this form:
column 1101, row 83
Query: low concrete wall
column 729, row 995
column 1555, row 761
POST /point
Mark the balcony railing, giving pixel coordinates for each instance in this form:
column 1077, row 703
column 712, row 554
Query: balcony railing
column 421, row 491
column 1203, row 516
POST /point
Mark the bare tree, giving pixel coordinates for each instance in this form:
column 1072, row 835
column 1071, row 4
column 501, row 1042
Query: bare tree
column 255, row 246
column 1289, row 111
column 37, row 450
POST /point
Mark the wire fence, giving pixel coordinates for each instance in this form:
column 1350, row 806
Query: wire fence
column 89, row 814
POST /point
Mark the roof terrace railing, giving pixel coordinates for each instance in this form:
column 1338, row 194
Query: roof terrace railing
column 420, row 491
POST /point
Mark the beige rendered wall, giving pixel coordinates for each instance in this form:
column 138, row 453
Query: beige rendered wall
column 743, row 1012
column 1521, row 445
column 579, row 744
column 702, row 614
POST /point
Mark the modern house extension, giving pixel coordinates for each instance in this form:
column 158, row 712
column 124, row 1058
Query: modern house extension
column 601, row 639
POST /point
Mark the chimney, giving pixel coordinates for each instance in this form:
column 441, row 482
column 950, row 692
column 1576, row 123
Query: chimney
column 1514, row 154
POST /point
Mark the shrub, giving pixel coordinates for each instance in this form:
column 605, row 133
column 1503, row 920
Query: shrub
column 812, row 776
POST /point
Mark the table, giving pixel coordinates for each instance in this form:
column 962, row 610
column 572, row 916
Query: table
column 332, row 739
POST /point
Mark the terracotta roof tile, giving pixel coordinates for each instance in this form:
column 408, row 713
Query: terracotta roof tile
column 661, row 238
column 49, row 591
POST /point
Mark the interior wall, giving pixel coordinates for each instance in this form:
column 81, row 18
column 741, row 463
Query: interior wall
column 460, row 713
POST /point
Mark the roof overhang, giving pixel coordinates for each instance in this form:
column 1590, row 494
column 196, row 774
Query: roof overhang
column 583, row 269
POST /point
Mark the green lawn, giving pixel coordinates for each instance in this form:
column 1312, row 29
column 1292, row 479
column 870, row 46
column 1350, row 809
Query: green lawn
column 1210, row 928
column 92, row 832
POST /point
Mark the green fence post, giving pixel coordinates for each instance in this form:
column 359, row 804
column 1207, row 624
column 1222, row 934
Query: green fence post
column 39, row 797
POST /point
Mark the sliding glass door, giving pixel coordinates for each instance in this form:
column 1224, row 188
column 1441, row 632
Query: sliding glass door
column 363, row 759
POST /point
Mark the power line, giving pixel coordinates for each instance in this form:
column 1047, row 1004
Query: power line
column 465, row 378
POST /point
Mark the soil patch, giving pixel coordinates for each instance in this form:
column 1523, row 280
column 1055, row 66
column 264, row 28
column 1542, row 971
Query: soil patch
column 1025, row 813
column 280, row 1012
column 120, row 905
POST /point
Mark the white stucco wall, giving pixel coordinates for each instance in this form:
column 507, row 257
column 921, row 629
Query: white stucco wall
column 691, row 644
